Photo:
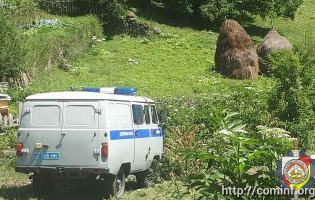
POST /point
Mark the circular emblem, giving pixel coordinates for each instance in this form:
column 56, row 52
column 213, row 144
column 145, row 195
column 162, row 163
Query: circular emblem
column 295, row 171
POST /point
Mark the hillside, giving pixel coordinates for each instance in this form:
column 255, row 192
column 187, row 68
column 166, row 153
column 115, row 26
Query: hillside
column 178, row 62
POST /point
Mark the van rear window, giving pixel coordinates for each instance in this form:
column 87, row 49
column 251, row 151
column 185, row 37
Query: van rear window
column 48, row 115
column 80, row 115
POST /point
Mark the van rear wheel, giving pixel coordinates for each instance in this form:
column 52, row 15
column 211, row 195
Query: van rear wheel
column 117, row 185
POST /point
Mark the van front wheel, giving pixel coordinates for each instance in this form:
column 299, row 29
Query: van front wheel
column 148, row 177
column 117, row 185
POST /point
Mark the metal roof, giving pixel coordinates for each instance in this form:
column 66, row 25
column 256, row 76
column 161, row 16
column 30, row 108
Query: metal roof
column 87, row 96
column 5, row 97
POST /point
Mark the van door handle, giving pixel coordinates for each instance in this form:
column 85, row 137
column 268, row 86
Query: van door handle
column 63, row 133
column 136, row 133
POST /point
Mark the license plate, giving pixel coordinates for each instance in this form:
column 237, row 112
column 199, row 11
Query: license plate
column 47, row 156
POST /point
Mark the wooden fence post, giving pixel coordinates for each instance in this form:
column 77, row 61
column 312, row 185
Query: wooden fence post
column 20, row 111
column 10, row 120
column 5, row 121
column 1, row 121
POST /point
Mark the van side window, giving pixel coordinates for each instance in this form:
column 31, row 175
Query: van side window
column 112, row 114
column 146, row 114
column 154, row 116
column 123, row 115
column 137, row 111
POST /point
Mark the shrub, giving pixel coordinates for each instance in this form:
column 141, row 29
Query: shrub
column 182, row 138
column 11, row 51
column 49, row 47
column 285, row 100
column 140, row 3
column 218, row 11
column 24, row 10
column 7, row 147
column 178, row 6
column 110, row 12
column 243, row 159
column 291, row 99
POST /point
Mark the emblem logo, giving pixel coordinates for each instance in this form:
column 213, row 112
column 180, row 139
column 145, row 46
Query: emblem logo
column 296, row 170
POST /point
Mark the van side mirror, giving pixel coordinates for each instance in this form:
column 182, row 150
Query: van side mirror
column 162, row 116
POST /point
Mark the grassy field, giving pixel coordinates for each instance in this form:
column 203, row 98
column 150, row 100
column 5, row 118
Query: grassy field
column 177, row 63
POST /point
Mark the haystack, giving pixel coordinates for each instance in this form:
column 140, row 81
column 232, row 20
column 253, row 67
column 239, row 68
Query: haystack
column 235, row 56
column 272, row 41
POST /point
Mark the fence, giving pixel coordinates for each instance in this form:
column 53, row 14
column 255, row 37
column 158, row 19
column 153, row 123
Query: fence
column 69, row 7
column 57, row 6
column 9, row 121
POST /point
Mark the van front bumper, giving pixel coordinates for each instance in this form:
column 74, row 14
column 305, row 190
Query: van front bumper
column 61, row 170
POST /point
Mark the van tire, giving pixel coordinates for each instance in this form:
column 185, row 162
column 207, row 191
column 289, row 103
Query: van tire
column 117, row 184
column 148, row 177
column 42, row 186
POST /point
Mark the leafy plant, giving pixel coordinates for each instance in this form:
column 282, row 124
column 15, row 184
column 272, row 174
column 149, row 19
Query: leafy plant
column 217, row 11
column 7, row 147
column 11, row 50
column 244, row 160
column 183, row 138
column 24, row 11
column 291, row 99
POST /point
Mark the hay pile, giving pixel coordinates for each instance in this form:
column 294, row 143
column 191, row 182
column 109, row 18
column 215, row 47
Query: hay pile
column 235, row 56
column 272, row 41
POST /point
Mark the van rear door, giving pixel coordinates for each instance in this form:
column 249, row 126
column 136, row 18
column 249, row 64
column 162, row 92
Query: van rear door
column 43, row 134
column 79, row 134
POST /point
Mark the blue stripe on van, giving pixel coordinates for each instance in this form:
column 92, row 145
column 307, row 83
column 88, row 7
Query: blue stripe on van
column 143, row 133
column 156, row 132
column 130, row 134
column 121, row 134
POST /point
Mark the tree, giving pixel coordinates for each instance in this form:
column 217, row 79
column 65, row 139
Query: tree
column 219, row 10
column 11, row 51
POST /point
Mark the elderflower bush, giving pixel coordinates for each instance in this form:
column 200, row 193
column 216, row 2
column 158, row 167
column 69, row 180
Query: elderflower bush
column 274, row 132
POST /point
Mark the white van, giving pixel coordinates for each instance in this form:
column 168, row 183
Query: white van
column 100, row 131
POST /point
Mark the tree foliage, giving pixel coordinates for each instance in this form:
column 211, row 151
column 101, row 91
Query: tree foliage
column 216, row 10
column 11, row 51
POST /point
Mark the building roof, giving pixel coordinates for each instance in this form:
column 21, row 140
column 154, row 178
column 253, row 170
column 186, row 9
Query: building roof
column 4, row 97
column 87, row 96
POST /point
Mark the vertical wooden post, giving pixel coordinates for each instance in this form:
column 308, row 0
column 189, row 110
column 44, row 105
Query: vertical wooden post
column 1, row 121
column 10, row 120
column 20, row 111
column 5, row 121
column 296, row 145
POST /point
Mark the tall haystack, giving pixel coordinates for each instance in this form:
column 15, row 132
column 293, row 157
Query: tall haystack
column 272, row 41
column 235, row 56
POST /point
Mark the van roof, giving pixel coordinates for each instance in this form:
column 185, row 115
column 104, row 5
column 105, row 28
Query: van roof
column 87, row 96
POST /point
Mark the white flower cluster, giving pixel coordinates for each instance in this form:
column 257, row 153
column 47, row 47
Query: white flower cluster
column 94, row 38
column 274, row 132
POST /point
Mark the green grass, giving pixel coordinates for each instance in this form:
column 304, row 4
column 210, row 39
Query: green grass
column 170, row 64
column 177, row 63
column 18, row 186
column 295, row 30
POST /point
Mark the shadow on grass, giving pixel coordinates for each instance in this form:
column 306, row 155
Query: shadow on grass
column 74, row 190
column 254, row 30
column 162, row 16
column 197, row 22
